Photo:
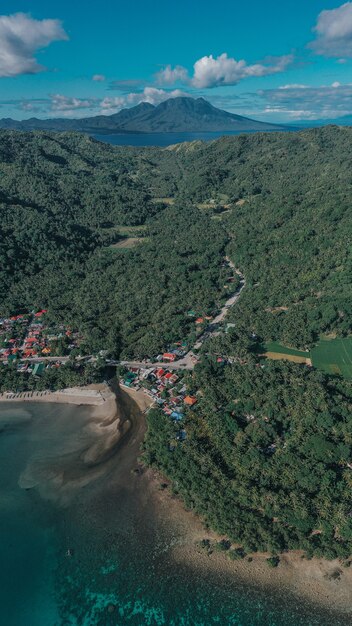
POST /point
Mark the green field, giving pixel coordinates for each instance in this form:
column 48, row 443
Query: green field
column 276, row 346
column 334, row 356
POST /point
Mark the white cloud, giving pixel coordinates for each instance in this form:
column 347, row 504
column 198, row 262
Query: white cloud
column 20, row 37
column 297, row 102
column 223, row 70
column 59, row 102
column 293, row 86
column 334, row 32
column 212, row 71
column 99, row 78
column 170, row 76
column 149, row 94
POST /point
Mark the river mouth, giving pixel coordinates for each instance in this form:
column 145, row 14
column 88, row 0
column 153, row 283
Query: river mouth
column 102, row 551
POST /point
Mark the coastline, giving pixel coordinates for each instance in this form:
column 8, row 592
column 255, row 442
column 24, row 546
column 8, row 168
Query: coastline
column 95, row 394
column 318, row 582
column 118, row 427
column 325, row 584
column 143, row 401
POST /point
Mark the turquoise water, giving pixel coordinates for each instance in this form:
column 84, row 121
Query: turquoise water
column 163, row 139
column 121, row 570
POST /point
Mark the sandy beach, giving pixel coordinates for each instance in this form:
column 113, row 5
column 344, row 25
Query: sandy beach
column 95, row 395
column 143, row 401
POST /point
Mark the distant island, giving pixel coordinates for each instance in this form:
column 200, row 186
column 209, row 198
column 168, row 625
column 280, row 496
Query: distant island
column 176, row 115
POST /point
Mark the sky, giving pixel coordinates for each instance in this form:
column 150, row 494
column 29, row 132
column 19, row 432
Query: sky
column 274, row 61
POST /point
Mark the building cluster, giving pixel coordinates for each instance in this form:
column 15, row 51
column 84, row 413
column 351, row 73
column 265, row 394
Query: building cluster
column 28, row 340
column 167, row 389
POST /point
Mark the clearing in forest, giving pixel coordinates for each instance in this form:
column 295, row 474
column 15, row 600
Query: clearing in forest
column 334, row 356
column 275, row 350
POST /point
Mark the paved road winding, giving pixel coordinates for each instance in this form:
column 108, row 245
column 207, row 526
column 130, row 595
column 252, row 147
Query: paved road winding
column 190, row 359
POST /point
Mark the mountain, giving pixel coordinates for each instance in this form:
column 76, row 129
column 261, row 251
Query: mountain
column 182, row 114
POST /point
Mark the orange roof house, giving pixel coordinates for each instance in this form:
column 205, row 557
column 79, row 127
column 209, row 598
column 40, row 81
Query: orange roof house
column 190, row 400
column 200, row 320
column 168, row 356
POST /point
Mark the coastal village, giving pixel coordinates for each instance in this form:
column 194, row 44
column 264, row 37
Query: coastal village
column 31, row 343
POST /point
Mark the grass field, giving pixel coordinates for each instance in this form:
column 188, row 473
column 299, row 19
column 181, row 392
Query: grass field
column 276, row 346
column 334, row 356
column 276, row 351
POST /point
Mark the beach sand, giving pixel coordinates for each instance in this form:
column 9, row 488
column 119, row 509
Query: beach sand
column 84, row 448
column 320, row 582
column 143, row 401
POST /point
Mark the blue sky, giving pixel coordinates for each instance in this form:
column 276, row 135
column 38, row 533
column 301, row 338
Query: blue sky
column 273, row 61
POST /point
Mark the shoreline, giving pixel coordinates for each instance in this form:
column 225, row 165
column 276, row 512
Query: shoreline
column 318, row 582
column 312, row 581
column 95, row 394
column 143, row 401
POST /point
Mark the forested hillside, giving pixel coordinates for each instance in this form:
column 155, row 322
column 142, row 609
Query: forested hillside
column 290, row 222
column 283, row 201
column 65, row 199
column 267, row 460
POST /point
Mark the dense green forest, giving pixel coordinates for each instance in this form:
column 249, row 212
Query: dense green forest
column 268, row 458
column 64, row 197
column 63, row 200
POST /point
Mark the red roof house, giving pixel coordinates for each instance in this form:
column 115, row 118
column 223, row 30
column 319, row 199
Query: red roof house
column 190, row 400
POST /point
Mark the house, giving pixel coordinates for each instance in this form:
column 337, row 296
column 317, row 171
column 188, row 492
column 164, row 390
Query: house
column 29, row 352
column 159, row 373
column 169, row 356
column 38, row 369
column 190, row 400
column 200, row 320
column 176, row 415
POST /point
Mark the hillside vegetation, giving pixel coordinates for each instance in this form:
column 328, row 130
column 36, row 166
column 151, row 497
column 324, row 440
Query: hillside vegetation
column 268, row 454
column 288, row 219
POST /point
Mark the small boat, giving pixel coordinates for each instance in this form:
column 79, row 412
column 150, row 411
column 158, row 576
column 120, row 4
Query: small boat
column 69, row 552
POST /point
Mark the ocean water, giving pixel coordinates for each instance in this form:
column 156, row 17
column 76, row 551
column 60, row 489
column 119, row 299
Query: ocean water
column 121, row 569
column 162, row 139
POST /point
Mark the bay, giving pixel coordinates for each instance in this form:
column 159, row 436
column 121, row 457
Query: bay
column 87, row 546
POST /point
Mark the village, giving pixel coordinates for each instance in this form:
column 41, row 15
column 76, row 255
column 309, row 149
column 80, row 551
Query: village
column 167, row 388
column 32, row 344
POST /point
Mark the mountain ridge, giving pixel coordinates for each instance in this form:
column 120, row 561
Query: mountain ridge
column 181, row 114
